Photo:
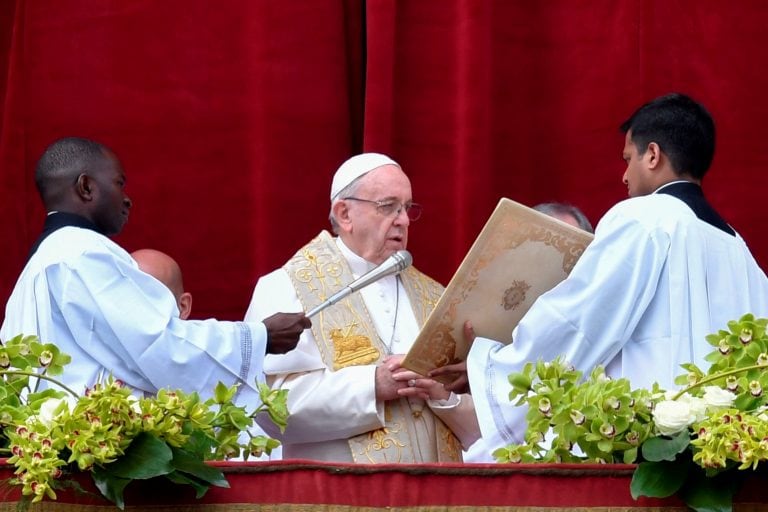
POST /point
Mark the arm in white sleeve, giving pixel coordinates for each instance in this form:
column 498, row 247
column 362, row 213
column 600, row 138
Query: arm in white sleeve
column 458, row 414
column 587, row 319
column 126, row 321
column 325, row 405
column 322, row 404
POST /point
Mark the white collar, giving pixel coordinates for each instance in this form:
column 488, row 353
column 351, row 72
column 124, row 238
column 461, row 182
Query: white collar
column 358, row 264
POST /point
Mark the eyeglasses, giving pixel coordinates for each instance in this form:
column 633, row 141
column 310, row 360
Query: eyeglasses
column 390, row 208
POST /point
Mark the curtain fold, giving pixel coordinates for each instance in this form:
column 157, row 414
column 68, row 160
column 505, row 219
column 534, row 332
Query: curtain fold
column 230, row 119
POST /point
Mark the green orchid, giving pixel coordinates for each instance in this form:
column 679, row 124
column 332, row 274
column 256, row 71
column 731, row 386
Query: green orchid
column 689, row 442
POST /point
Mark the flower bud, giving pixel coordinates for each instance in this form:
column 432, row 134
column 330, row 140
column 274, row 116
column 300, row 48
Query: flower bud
column 607, row 430
column 611, row 403
column 545, row 407
column 577, row 417
column 46, row 357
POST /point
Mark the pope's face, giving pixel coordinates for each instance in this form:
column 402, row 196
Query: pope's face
column 372, row 234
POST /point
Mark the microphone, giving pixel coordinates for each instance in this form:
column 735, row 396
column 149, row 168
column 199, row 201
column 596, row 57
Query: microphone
column 395, row 264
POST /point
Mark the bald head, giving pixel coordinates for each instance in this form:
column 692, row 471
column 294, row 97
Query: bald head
column 165, row 269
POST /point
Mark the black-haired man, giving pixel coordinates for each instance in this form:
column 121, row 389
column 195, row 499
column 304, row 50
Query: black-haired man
column 87, row 295
column 664, row 270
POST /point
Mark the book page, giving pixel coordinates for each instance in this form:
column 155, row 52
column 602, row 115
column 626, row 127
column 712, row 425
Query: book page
column 519, row 255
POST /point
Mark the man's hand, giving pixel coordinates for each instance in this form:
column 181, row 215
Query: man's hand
column 386, row 385
column 283, row 331
column 460, row 384
column 458, row 371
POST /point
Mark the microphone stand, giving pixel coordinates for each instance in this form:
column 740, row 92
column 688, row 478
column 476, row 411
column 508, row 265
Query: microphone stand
column 395, row 264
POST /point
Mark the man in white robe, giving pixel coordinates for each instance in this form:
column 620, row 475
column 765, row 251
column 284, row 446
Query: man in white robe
column 664, row 270
column 348, row 398
column 84, row 293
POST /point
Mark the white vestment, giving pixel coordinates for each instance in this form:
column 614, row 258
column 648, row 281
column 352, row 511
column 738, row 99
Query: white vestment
column 654, row 282
column 328, row 407
column 84, row 293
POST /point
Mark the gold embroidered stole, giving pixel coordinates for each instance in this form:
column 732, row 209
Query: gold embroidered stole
column 346, row 336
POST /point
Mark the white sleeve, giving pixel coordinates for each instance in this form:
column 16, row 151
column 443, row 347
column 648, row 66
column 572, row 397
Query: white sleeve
column 587, row 319
column 126, row 321
column 323, row 404
column 458, row 413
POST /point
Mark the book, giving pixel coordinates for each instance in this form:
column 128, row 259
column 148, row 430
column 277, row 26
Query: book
column 519, row 254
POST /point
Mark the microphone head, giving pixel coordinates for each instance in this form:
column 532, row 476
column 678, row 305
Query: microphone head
column 403, row 258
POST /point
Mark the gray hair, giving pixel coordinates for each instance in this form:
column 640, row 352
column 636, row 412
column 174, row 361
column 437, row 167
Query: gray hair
column 555, row 209
column 349, row 190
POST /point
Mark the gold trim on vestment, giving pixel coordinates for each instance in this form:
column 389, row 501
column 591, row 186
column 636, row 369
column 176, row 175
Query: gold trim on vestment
column 346, row 336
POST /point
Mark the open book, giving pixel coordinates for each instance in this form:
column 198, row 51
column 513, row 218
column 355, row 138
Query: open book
column 519, row 254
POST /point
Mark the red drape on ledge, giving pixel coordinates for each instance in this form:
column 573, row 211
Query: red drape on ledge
column 303, row 485
column 230, row 118
column 311, row 486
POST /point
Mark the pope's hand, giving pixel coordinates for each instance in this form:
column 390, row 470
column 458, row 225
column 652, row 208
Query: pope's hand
column 386, row 385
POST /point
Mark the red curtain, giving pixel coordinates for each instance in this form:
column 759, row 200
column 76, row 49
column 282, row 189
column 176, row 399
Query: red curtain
column 230, row 117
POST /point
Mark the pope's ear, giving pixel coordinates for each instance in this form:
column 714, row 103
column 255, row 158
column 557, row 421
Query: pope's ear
column 341, row 212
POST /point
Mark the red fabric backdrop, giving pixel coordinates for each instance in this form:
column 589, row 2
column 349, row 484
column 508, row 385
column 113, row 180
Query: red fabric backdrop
column 230, row 117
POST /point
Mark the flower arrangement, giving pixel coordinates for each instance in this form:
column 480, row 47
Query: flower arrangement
column 690, row 442
column 115, row 436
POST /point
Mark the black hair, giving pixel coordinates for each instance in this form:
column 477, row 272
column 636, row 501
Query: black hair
column 65, row 158
column 683, row 129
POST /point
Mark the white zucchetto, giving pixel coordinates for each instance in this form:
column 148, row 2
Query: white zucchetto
column 356, row 167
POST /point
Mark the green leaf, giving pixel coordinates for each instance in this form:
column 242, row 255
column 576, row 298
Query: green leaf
column 110, row 486
column 146, row 457
column 658, row 479
column 199, row 444
column 182, row 479
column 666, row 448
column 223, row 394
column 710, row 494
column 188, row 463
column 630, row 456
column 746, row 402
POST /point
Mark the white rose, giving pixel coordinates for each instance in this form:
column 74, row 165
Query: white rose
column 52, row 409
column 698, row 408
column 718, row 398
column 135, row 405
column 672, row 416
